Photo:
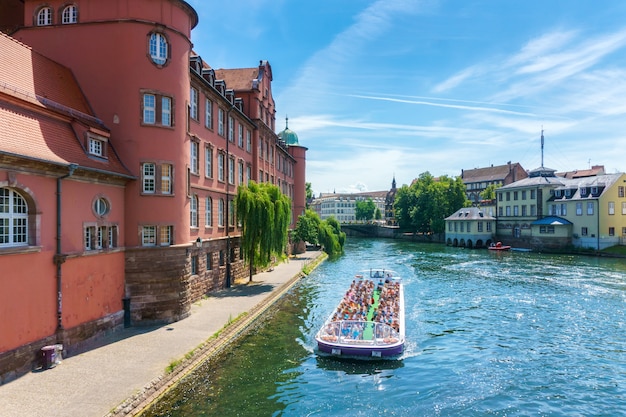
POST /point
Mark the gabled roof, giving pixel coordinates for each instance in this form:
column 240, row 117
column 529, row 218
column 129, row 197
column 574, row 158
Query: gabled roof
column 492, row 173
column 43, row 112
column 470, row 213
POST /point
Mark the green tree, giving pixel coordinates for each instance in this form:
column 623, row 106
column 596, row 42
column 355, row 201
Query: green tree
column 331, row 237
column 378, row 215
column 423, row 206
column 264, row 214
column 364, row 209
column 489, row 193
column 307, row 228
column 309, row 192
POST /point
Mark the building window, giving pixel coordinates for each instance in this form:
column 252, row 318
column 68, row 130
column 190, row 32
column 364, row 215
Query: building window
column 208, row 212
column 516, row 210
column 611, row 231
column 231, row 129
column 220, row 122
column 101, row 207
column 546, row 229
column 70, row 15
column 220, row 213
column 579, row 209
column 611, row 208
column 489, row 226
column 44, row 16
column 220, row 167
column 508, row 211
column 480, row 227
column 248, row 173
column 166, row 235
column 194, row 160
column 96, row 147
column 222, row 257
column 208, row 113
column 624, row 207
column 240, row 172
column 193, row 103
column 533, row 210
column 194, row 265
column 584, row 231
column 158, row 48
column 523, row 194
column 208, row 162
column 193, row 211
column 157, row 110
column 231, row 213
column 532, row 194
column 209, row 261
column 524, row 210
column 231, row 171
column 248, row 140
column 13, row 219
column 166, row 111
column 590, row 208
column 148, row 235
column 166, row 179
column 149, row 178
column 240, row 136
column 149, row 109
column 620, row 191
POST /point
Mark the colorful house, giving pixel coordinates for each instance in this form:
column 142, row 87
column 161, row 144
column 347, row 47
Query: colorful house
column 121, row 151
column 470, row 227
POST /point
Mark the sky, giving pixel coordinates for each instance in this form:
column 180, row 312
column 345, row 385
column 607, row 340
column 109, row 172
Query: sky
column 384, row 89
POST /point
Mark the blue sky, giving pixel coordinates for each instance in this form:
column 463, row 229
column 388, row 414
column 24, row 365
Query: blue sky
column 390, row 87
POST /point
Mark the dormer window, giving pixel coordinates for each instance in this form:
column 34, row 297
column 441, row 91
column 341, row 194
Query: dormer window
column 69, row 15
column 583, row 191
column 594, row 190
column 97, row 146
column 158, row 48
column 44, row 16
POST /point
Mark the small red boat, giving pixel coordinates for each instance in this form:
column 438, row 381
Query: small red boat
column 499, row 246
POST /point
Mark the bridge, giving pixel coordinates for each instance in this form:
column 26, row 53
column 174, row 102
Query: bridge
column 368, row 230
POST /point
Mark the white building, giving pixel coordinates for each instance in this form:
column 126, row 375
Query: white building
column 343, row 206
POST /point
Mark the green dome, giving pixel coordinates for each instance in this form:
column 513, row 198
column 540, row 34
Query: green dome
column 288, row 136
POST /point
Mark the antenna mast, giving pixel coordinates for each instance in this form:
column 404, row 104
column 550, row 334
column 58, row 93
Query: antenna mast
column 542, row 146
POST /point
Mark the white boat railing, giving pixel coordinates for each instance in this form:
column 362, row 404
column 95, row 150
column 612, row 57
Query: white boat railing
column 356, row 332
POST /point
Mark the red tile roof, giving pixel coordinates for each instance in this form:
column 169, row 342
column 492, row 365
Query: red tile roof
column 237, row 79
column 39, row 101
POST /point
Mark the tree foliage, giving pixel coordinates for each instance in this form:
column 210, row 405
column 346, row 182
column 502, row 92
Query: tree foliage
column 489, row 193
column 264, row 213
column 327, row 233
column 331, row 237
column 365, row 209
column 307, row 228
column 423, row 206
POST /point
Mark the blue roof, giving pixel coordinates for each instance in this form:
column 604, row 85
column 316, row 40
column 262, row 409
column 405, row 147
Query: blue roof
column 552, row 220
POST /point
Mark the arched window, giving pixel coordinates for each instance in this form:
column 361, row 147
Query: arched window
column 158, row 48
column 220, row 213
column 13, row 219
column 69, row 15
column 44, row 16
column 208, row 212
column 193, row 211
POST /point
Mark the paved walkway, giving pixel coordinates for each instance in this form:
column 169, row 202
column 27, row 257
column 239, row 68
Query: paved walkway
column 94, row 383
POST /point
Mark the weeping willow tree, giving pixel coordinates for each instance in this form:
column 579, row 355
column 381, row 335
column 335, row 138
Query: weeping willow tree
column 264, row 214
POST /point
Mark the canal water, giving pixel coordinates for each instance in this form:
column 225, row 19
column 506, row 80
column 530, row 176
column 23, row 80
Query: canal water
column 489, row 334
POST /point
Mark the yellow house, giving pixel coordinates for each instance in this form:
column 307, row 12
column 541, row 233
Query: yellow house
column 546, row 211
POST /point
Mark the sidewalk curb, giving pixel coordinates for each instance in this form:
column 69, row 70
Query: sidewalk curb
column 211, row 347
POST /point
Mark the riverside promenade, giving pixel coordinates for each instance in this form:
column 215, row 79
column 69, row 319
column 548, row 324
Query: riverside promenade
column 126, row 370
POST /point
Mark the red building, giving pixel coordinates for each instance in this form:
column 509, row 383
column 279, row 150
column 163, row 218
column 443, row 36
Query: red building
column 121, row 151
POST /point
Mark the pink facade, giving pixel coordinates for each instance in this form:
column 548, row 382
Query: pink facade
column 117, row 137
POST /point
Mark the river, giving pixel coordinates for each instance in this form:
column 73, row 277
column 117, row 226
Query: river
column 488, row 334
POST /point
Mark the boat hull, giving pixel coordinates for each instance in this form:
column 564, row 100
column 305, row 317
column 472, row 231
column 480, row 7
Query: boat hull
column 368, row 352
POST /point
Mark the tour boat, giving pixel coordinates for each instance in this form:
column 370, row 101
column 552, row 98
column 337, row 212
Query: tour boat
column 369, row 321
column 499, row 246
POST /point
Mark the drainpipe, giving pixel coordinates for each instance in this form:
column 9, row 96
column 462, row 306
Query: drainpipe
column 59, row 259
